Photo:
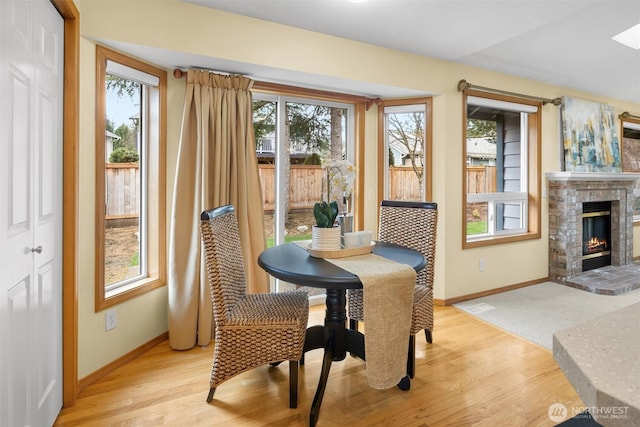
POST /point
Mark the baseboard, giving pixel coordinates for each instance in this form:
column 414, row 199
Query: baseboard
column 121, row 361
column 455, row 300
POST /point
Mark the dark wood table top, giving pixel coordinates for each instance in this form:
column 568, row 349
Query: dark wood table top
column 293, row 264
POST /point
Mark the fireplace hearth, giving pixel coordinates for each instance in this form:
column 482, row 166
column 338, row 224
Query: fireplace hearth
column 608, row 235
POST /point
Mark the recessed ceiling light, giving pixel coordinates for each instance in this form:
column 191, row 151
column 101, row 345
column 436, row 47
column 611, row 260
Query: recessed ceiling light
column 630, row 37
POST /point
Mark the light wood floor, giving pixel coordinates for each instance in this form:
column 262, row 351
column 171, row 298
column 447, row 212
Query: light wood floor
column 472, row 374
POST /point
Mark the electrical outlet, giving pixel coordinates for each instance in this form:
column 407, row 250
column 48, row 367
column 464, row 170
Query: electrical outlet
column 111, row 319
column 481, row 264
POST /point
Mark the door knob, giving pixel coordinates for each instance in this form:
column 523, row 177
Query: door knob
column 37, row 250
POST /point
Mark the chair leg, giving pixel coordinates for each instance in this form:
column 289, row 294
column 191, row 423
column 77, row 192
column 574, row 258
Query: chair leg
column 293, row 383
column 210, row 396
column 427, row 334
column 353, row 325
column 411, row 357
column 405, row 383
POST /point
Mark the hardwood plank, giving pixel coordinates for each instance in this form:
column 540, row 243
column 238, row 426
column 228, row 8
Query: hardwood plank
column 472, row 374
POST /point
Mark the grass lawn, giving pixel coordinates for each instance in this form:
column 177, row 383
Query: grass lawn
column 476, row 227
column 287, row 239
column 135, row 260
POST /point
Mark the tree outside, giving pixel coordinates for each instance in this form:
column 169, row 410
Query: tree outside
column 406, row 141
column 128, row 92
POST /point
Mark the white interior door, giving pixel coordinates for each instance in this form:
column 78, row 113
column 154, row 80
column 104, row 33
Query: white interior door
column 31, row 88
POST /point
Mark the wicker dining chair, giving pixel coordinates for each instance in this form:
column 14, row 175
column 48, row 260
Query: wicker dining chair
column 411, row 224
column 251, row 330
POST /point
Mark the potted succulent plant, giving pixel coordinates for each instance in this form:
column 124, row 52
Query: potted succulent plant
column 338, row 178
column 325, row 214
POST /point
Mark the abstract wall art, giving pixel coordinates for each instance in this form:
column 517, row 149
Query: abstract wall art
column 590, row 137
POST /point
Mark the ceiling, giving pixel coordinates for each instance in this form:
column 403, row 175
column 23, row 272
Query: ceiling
column 564, row 43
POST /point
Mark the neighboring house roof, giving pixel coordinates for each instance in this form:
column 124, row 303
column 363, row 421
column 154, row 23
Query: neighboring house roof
column 111, row 135
column 481, row 148
column 399, row 147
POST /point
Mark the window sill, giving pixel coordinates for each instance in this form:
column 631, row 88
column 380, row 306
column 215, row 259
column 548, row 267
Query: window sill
column 130, row 291
column 490, row 241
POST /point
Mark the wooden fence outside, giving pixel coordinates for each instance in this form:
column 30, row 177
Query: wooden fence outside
column 404, row 184
column 308, row 188
column 481, row 179
column 123, row 186
column 303, row 195
column 122, row 182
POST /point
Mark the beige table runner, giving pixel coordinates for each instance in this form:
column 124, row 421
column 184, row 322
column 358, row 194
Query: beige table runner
column 388, row 298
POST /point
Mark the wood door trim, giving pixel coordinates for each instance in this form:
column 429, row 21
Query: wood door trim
column 71, row 16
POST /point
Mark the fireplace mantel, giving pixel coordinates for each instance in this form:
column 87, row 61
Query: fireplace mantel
column 591, row 176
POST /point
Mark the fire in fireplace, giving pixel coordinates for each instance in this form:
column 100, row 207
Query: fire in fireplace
column 596, row 235
column 595, row 245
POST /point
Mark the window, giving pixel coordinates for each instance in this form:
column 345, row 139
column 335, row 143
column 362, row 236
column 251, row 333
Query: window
column 130, row 177
column 294, row 132
column 502, row 168
column 405, row 149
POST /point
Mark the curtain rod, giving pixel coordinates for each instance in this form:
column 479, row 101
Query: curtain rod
column 178, row 73
column 464, row 85
column 627, row 115
column 259, row 85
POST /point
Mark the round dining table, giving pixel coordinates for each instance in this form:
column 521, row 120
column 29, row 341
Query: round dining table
column 292, row 263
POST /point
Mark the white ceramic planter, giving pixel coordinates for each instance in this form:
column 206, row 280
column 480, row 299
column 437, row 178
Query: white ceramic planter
column 325, row 238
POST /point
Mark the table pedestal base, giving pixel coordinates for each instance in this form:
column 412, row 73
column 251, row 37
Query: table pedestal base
column 336, row 340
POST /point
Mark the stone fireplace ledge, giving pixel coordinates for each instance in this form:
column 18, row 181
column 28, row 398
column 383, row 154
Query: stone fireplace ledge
column 591, row 176
column 600, row 359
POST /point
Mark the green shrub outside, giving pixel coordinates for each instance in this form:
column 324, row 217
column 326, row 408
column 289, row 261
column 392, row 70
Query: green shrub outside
column 123, row 155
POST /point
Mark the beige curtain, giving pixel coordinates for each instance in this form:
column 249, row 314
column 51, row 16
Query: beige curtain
column 216, row 166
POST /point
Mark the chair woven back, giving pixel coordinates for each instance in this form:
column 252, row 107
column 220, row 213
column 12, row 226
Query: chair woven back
column 414, row 225
column 225, row 265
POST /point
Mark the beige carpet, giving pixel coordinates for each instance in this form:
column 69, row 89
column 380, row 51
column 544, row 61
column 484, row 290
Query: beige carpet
column 536, row 312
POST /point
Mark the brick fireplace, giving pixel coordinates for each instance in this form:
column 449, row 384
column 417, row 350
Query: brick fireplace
column 567, row 193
